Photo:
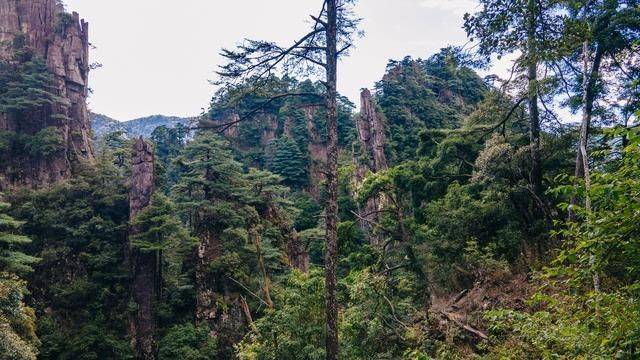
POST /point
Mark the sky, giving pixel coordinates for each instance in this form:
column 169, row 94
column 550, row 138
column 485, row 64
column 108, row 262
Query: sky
column 158, row 56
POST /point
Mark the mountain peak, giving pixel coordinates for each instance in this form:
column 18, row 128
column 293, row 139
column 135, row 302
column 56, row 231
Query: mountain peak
column 134, row 128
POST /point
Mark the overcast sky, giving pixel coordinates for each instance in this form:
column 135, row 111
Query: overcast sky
column 157, row 55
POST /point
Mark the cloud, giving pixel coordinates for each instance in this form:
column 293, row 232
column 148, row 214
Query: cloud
column 455, row 6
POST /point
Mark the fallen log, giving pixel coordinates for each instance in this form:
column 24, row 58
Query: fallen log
column 464, row 326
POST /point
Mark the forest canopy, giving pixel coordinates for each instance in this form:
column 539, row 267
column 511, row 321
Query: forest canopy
column 448, row 216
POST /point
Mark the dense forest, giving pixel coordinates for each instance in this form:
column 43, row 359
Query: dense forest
column 448, row 216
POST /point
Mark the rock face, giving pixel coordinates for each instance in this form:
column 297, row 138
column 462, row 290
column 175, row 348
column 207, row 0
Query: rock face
column 219, row 305
column 270, row 127
column 61, row 39
column 142, row 324
column 371, row 131
column 372, row 159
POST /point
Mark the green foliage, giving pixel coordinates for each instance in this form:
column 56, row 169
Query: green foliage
column 501, row 27
column 416, row 95
column 606, row 238
column 113, row 155
column 25, row 82
column 18, row 340
column 45, row 143
column 375, row 321
column 64, row 20
column 454, row 211
column 575, row 322
column 12, row 259
column 168, row 142
column 283, row 157
column 187, row 342
column 269, row 116
column 27, row 87
column 79, row 229
column 295, row 328
column 243, row 217
column 590, row 326
column 309, row 211
column 159, row 228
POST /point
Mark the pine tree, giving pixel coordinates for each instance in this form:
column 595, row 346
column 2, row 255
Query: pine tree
column 211, row 194
column 11, row 258
column 25, row 82
column 530, row 27
column 285, row 158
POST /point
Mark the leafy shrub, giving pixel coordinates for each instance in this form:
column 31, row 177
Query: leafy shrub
column 18, row 339
column 187, row 342
column 45, row 142
column 295, row 328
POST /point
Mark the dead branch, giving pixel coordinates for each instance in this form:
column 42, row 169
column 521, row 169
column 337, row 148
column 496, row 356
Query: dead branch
column 464, row 326
column 247, row 290
column 506, row 118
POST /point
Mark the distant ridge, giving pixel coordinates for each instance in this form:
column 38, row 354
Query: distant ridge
column 103, row 125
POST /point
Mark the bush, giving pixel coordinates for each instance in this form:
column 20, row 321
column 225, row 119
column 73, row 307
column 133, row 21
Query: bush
column 18, row 339
column 187, row 342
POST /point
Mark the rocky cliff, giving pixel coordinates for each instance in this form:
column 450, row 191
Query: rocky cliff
column 372, row 159
column 371, row 133
column 61, row 40
column 144, row 270
column 304, row 124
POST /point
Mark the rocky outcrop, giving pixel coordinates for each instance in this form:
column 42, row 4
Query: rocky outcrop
column 371, row 133
column 297, row 254
column 371, row 159
column 144, row 272
column 219, row 305
column 61, row 39
column 256, row 133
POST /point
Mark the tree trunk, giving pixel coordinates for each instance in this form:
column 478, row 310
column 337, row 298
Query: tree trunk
column 588, row 98
column 331, row 255
column 582, row 159
column 534, row 115
column 142, row 323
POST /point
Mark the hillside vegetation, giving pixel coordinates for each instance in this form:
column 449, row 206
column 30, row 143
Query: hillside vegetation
column 452, row 216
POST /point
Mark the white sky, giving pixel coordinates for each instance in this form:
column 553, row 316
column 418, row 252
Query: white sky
column 157, row 55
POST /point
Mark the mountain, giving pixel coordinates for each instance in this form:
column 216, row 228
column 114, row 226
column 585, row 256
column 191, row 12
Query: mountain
column 103, row 125
column 44, row 66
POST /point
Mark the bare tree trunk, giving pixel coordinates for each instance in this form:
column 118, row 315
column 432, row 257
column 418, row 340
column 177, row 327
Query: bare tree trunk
column 331, row 255
column 142, row 323
column 588, row 97
column 582, row 160
column 534, row 114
